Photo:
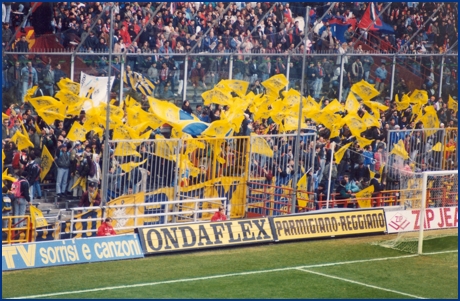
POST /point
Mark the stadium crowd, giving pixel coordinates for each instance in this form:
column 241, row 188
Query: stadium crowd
column 183, row 26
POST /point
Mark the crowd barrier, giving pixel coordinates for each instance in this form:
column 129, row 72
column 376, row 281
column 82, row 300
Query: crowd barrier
column 158, row 239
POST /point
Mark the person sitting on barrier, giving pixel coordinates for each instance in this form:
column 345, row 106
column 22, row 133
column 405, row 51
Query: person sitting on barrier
column 106, row 228
column 343, row 193
column 91, row 197
column 350, row 184
column 378, row 187
column 219, row 216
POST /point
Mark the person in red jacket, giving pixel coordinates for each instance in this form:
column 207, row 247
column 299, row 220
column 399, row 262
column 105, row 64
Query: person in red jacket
column 106, row 229
column 219, row 216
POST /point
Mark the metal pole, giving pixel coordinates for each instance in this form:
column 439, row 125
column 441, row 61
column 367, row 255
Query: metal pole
column 184, row 87
column 393, row 70
column 299, row 124
column 72, row 66
column 441, row 75
column 341, row 77
column 122, row 71
column 288, row 69
column 230, row 65
column 330, row 175
column 422, row 214
column 105, row 155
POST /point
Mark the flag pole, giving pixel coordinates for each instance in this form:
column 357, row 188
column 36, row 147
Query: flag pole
column 299, row 124
column 105, row 154
column 330, row 175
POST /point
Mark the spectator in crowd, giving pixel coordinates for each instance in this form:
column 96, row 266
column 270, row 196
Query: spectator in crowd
column 381, row 75
column 23, row 200
column 29, row 78
column 62, row 160
column 91, row 197
column 106, row 228
column 219, row 216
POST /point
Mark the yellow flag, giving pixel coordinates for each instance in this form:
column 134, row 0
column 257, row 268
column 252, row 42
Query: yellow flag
column 364, row 197
column 375, row 107
column 437, row 147
column 400, row 150
column 70, row 85
column 333, row 107
column 219, row 128
column 452, row 104
column 364, row 90
column 49, row 116
column 238, row 86
column 260, row 146
column 363, row 141
column 127, row 214
column 217, row 96
column 339, row 154
column 130, row 165
column 370, row 120
column 276, row 82
column 46, row 162
column 430, row 120
column 450, row 148
column 404, row 103
column 126, row 149
column 328, row 119
column 70, row 99
column 124, row 132
column 77, row 132
column 4, row 116
column 7, row 177
column 419, row 96
column 37, row 218
column 356, row 125
column 302, row 195
column 44, row 101
column 352, row 104
column 371, row 173
column 22, row 141
column 93, row 124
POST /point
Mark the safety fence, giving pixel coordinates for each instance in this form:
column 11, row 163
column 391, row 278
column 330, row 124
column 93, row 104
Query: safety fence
column 182, row 169
column 191, row 74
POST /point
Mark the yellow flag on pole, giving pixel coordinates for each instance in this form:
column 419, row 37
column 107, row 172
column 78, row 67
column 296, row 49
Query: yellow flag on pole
column 400, row 150
column 238, row 86
column 67, row 83
column 419, row 96
column 49, row 116
column 364, row 197
column 452, row 104
column 219, row 128
column 302, row 195
column 364, row 90
column 218, row 96
column 404, row 103
column 46, row 162
column 352, row 104
column 126, row 149
column 276, row 82
column 77, row 132
column 130, row 165
column 437, row 147
column 8, row 177
column 339, row 154
column 36, row 215
column 260, row 146
column 22, row 141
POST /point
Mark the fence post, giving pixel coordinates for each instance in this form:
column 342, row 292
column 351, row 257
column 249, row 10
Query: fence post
column 248, row 172
column 122, row 70
column 288, row 69
column 441, row 75
column 341, row 77
column 72, row 66
column 184, row 88
column 393, row 70
column 230, row 72
column 178, row 177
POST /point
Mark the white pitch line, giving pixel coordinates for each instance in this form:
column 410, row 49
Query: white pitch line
column 221, row 276
column 360, row 283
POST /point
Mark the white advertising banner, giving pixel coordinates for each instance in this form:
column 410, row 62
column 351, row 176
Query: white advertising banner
column 95, row 88
column 409, row 220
